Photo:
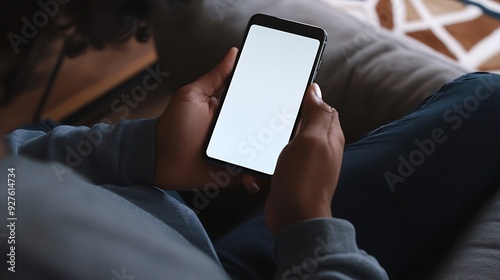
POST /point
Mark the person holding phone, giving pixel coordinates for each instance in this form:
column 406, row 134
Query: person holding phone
column 144, row 232
column 260, row 106
column 297, row 211
column 111, row 222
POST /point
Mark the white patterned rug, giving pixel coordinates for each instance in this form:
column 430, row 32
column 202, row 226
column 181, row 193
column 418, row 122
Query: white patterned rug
column 465, row 30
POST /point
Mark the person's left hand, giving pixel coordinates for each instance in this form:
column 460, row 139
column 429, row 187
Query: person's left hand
column 182, row 130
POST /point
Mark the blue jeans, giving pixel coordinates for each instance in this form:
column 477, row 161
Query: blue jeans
column 408, row 186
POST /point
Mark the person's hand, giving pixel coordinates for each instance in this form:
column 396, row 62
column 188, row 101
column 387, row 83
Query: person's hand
column 182, row 130
column 308, row 168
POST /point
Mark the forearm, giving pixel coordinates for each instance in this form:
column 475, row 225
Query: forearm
column 323, row 249
column 121, row 154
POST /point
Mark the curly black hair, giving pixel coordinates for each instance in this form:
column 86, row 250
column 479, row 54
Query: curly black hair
column 97, row 23
column 89, row 22
column 81, row 23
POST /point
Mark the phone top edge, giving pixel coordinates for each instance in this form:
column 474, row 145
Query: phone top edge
column 291, row 26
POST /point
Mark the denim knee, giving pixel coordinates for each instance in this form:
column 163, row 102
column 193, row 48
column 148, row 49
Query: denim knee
column 475, row 89
column 484, row 84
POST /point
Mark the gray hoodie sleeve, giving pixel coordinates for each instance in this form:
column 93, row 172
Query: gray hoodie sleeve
column 323, row 249
column 120, row 154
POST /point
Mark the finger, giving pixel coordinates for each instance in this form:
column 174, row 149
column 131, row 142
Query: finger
column 297, row 128
column 214, row 81
column 317, row 116
column 254, row 184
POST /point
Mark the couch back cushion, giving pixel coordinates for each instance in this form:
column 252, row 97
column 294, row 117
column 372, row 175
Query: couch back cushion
column 369, row 75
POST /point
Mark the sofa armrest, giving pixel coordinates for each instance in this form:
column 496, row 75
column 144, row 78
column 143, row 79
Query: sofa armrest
column 476, row 252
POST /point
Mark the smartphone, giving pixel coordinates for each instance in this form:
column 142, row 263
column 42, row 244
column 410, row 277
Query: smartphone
column 260, row 106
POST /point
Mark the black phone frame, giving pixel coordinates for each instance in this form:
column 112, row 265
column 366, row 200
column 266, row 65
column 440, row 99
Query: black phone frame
column 289, row 26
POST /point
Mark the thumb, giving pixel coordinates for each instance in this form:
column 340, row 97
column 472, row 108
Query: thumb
column 214, row 81
column 316, row 116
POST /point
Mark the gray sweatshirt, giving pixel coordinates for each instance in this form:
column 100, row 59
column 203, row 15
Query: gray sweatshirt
column 85, row 208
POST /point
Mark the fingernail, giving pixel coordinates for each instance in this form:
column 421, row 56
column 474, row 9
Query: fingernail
column 256, row 187
column 317, row 91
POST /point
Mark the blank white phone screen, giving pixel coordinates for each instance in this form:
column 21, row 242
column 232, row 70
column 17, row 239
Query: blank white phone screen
column 263, row 99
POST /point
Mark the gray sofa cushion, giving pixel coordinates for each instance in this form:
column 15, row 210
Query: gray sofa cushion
column 370, row 76
column 476, row 254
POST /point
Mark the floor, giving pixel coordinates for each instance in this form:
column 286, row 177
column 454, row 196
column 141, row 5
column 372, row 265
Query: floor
column 81, row 80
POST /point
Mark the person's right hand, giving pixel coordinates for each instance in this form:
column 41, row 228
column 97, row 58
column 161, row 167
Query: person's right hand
column 308, row 168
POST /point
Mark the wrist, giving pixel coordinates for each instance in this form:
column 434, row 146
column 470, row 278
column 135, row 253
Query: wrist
column 277, row 220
